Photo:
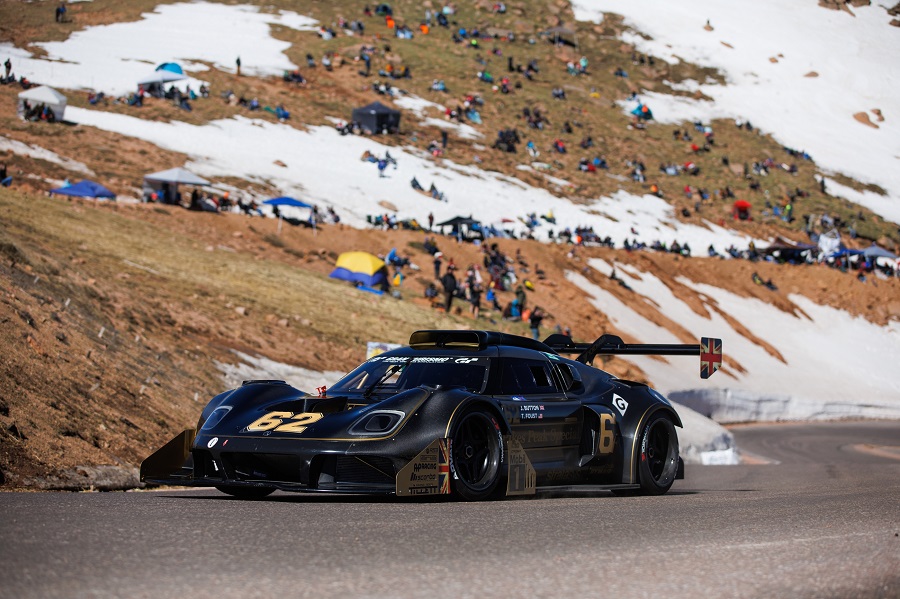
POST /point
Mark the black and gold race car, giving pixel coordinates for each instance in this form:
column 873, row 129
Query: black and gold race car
column 472, row 414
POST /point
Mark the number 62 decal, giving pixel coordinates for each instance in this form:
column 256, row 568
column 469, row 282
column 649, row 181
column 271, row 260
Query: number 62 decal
column 296, row 423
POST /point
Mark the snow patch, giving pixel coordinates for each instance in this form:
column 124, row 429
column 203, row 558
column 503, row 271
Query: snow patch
column 111, row 58
column 850, row 54
column 34, row 151
column 333, row 175
column 258, row 367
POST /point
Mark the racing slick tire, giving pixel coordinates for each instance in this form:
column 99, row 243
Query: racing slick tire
column 658, row 455
column 476, row 454
column 246, row 492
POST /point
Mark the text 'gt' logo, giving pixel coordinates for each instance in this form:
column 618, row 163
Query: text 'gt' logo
column 466, row 360
column 620, row 403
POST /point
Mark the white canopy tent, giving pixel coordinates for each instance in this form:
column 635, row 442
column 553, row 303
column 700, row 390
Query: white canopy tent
column 177, row 176
column 161, row 77
column 165, row 183
column 45, row 95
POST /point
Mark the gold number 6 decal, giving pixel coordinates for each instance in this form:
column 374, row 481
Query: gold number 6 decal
column 607, row 441
column 275, row 420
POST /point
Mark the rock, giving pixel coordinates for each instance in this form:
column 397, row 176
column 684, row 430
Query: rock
column 280, row 163
column 283, row 322
column 727, row 45
column 863, row 118
column 773, row 60
column 241, row 310
column 878, row 116
column 811, row 74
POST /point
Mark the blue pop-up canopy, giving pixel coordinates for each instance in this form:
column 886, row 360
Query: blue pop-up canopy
column 172, row 67
column 286, row 201
column 84, row 189
column 844, row 252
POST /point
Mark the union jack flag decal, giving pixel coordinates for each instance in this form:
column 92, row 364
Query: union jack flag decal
column 710, row 356
column 444, row 467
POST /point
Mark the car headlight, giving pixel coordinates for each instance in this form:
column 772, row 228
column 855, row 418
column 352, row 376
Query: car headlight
column 377, row 422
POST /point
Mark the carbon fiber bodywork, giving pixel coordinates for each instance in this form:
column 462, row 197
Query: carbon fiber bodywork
column 579, row 427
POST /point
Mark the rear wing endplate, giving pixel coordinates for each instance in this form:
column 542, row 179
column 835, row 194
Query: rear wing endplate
column 709, row 349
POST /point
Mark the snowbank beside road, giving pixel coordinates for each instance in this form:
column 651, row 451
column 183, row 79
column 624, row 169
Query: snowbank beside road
column 703, row 441
column 729, row 406
column 834, row 365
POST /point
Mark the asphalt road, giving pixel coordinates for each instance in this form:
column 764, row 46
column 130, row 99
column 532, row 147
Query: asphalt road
column 821, row 522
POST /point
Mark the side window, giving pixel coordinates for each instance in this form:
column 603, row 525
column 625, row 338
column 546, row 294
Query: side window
column 527, row 377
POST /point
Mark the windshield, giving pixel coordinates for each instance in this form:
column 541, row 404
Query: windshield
column 468, row 372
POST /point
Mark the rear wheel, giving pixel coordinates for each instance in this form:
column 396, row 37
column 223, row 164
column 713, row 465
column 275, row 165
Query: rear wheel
column 247, row 492
column 658, row 456
column 476, row 445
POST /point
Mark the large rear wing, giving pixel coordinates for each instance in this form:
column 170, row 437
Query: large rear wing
column 709, row 350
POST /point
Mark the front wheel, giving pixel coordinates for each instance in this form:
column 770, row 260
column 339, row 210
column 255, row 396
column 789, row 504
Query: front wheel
column 476, row 447
column 658, row 457
column 246, row 492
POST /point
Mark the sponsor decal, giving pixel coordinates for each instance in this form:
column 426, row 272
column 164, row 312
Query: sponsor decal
column 465, row 360
column 532, row 412
column 644, row 445
column 212, row 442
column 428, row 473
column 518, row 398
column 430, row 360
column 521, row 478
column 620, row 403
column 499, row 437
column 391, row 359
column 551, row 356
column 543, row 438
